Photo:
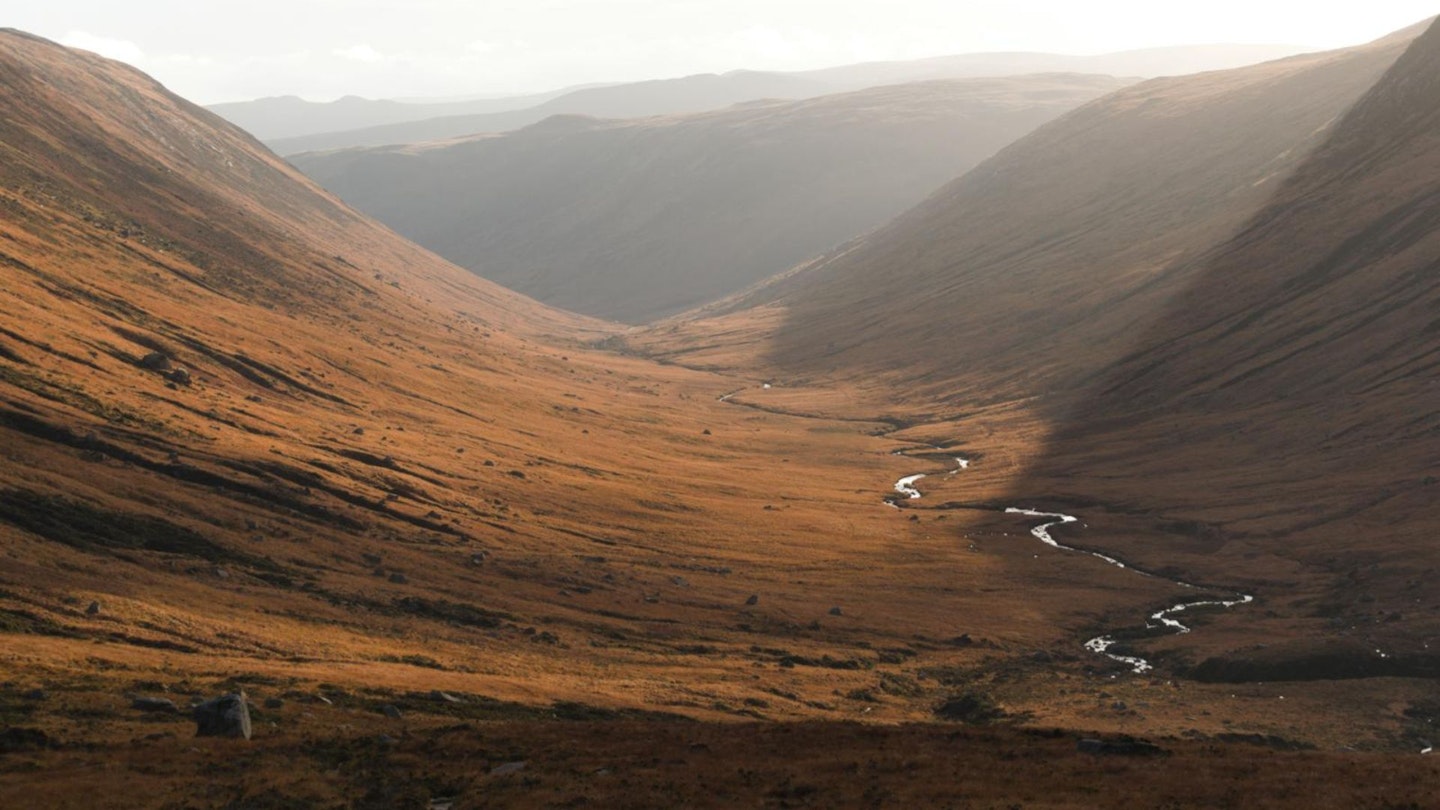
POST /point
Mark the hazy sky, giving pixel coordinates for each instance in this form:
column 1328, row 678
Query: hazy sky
column 219, row 50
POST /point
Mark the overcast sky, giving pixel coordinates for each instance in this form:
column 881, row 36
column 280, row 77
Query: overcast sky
column 220, row 50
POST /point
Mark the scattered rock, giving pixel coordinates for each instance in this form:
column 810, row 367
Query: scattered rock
column 1128, row 746
column 835, row 611
column 179, row 375
column 706, row 432
column 391, row 711
column 399, row 578
column 93, row 610
column 17, row 738
column 154, row 704
column 972, row 708
column 507, row 768
column 224, row 716
column 753, row 600
column 155, row 361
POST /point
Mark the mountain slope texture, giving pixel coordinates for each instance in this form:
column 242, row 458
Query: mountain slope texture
column 635, row 220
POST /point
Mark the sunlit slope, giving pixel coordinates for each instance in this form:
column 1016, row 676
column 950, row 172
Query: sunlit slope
column 272, row 440
column 634, row 220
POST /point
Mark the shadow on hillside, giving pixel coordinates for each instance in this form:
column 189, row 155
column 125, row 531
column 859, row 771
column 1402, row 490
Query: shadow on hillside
column 1286, row 404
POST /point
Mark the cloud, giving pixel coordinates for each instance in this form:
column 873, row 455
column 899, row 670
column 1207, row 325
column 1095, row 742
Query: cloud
column 120, row 49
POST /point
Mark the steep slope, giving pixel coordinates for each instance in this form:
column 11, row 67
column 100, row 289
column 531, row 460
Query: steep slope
column 1030, row 272
column 635, row 220
column 710, row 91
column 1292, row 394
column 278, row 447
column 162, row 178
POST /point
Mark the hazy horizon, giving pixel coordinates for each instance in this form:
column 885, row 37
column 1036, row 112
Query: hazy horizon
column 321, row 50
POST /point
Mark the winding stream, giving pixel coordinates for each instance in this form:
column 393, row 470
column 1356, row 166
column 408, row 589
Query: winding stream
column 905, row 490
column 1100, row 645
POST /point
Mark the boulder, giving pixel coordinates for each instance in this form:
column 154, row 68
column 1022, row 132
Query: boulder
column 155, row 361
column 753, row 600
column 179, row 375
column 1127, row 746
column 224, row 716
column 154, row 704
column 93, row 610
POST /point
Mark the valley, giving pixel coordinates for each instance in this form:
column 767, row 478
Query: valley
column 1102, row 478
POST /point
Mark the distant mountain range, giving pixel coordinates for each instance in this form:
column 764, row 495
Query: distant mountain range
column 290, row 125
column 637, row 219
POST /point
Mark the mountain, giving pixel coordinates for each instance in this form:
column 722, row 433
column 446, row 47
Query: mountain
column 638, row 219
column 292, row 117
column 279, row 448
column 1300, row 362
column 450, row 552
column 1035, row 265
column 1148, row 62
column 709, row 91
column 1211, row 302
column 696, row 93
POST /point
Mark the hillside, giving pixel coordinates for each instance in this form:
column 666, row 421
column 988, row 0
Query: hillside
column 252, row 439
column 269, row 438
column 454, row 554
column 635, row 220
column 1301, row 366
column 1028, row 273
column 710, row 91
column 1214, row 296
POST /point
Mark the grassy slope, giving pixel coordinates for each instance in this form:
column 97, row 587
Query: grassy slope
column 1216, row 293
column 1028, row 273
